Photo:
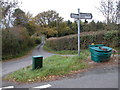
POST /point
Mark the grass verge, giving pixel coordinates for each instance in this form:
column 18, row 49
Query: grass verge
column 55, row 65
column 67, row 52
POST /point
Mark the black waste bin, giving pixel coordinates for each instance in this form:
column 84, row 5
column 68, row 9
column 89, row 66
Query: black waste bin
column 37, row 62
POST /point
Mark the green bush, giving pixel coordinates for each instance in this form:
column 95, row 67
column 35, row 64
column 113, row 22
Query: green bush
column 15, row 41
column 109, row 38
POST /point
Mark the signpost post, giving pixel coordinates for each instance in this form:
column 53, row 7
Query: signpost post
column 79, row 33
column 78, row 17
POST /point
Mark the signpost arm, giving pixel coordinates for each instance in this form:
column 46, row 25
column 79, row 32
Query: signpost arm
column 79, row 33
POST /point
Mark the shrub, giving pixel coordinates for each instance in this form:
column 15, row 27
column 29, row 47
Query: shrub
column 15, row 41
column 109, row 38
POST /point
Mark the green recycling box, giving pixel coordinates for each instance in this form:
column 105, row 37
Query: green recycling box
column 37, row 62
column 98, row 54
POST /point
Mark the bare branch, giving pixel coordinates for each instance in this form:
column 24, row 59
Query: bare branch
column 108, row 9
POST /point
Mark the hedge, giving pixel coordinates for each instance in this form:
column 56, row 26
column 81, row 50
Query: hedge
column 15, row 41
column 109, row 38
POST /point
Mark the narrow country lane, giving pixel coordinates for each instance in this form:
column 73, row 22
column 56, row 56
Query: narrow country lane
column 11, row 66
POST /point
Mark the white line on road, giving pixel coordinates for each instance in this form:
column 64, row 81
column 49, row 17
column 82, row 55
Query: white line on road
column 7, row 87
column 43, row 86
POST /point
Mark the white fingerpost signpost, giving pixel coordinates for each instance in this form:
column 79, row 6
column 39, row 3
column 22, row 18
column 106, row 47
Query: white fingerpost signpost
column 78, row 17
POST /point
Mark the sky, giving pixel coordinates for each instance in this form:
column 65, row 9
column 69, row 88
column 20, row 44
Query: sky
column 63, row 7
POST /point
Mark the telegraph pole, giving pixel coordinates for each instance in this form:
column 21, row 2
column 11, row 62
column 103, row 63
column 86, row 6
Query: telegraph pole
column 79, row 33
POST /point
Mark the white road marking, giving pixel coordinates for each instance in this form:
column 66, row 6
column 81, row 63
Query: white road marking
column 7, row 87
column 43, row 86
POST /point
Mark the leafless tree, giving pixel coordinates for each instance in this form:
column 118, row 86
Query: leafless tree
column 6, row 8
column 118, row 12
column 109, row 10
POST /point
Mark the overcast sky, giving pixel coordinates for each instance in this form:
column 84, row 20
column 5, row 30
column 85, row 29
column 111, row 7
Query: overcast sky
column 63, row 7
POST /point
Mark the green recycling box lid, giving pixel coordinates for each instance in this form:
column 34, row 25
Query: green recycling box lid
column 104, row 48
column 37, row 56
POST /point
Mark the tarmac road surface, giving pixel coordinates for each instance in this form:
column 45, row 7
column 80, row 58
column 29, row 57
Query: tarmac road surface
column 11, row 66
column 102, row 77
